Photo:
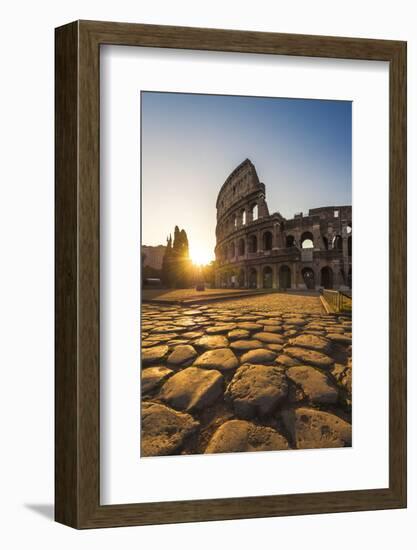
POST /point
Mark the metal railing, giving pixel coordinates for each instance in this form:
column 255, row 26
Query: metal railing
column 338, row 301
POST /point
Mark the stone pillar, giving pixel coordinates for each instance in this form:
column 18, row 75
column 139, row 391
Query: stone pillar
column 316, row 236
column 249, row 215
column 262, row 207
column 275, row 281
column 297, row 237
column 276, row 237
column 258, row 240
column 238, row 219
column 317, row 273
column 259, row 278
column 294, row 276
column 281, row 238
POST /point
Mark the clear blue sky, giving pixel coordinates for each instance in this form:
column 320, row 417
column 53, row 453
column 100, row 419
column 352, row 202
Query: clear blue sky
column 301, row 149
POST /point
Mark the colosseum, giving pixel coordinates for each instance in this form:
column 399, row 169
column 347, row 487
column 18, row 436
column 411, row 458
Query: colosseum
column 256, row 249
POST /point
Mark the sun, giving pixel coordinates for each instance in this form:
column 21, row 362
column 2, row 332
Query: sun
column 200, row 256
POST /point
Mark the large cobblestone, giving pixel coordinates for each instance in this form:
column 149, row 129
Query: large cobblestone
column 311, row 349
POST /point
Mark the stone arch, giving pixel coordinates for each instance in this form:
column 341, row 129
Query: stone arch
column 241, row 247
column 307, row 240
column 326, row 277
column 254, row 212
column 267, row 240
column 253, row 243
column 308, row 277
column 267, row 277
column 243, row 216
column 253, row 278
column 337, row 242
column 284, row 277
column 289, row 241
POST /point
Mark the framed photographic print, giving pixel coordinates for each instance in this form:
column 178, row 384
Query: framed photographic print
column 230, row 274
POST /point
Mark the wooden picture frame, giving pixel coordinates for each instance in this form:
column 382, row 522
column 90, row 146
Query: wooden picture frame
column 77, row 405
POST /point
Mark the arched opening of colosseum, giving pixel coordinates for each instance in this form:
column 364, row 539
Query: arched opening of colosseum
column 235, row 221
column 253, row 243
column 267, row 277
column 253, row 278
column 241, row 278
column 232, row 250
column 307, row 240
column 284, row 277
column 290, row 241
column 267, row 240
column 337, row 242
column 254, row 212
column 241, row 247
column 243, row 218
column 308, row 277
column 350, row 246
column 326, row 276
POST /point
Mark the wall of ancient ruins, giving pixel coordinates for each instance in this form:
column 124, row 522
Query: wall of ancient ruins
column 255, row 249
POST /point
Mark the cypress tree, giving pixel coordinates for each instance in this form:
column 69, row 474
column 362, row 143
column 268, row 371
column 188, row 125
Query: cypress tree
column 185, row 260
column 177, row 240
column 176, row 265
column 184, row 244
column 167, row 263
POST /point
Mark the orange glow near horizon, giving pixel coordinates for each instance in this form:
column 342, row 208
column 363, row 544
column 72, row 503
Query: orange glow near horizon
column 200, row 256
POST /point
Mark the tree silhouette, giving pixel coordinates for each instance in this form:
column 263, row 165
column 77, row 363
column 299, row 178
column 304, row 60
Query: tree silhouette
column 166, row 271
column 176, row 264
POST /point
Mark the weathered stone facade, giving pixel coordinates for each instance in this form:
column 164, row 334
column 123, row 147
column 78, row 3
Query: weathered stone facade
column 255, row 249
column 153, row 255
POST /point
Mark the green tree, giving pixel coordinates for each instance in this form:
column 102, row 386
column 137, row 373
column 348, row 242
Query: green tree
column 184, row 263
column 184, row 244
column 176, row 265
column 166, row 272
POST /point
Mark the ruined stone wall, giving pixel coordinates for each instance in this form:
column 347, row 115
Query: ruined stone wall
column 257, row 250
column 153, row 255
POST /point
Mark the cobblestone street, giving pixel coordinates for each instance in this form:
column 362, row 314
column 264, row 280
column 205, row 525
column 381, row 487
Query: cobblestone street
column 258, row 373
